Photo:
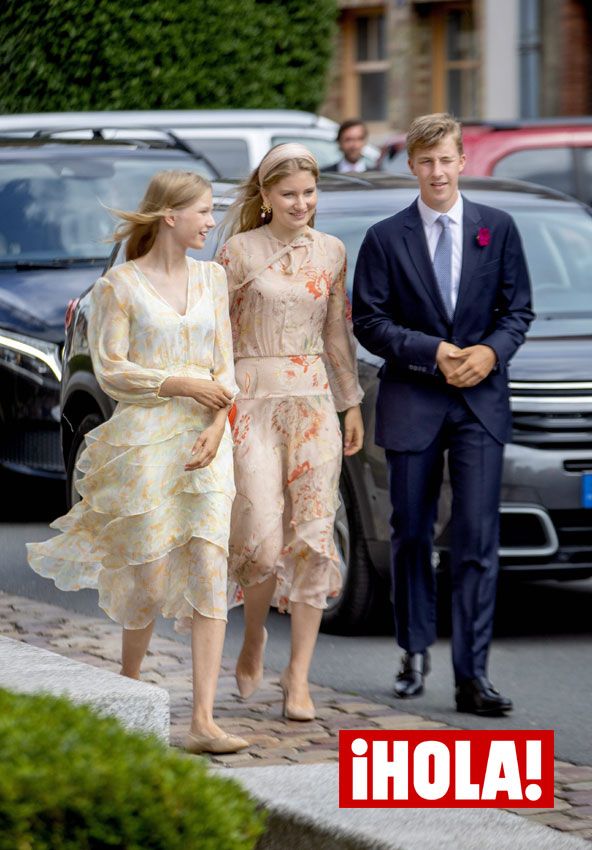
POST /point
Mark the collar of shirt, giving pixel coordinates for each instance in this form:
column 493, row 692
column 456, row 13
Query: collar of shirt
column 344, row 166
column 430, row 216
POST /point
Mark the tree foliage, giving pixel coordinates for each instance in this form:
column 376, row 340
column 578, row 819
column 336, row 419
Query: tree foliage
column 156, row 54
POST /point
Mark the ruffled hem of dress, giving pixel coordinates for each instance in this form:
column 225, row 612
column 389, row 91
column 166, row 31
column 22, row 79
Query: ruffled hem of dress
column 113, row 542
column 287, row 591
column 132, row 480
column 118, row 595
column 306, row 512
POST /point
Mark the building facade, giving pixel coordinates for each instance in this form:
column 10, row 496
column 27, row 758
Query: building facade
column 493, row 60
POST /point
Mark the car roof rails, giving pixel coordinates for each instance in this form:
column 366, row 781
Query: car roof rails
column 161, row 134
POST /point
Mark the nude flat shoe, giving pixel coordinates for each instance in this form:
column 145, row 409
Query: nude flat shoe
column 247, row 685
column 219, row 744
column 291, row 712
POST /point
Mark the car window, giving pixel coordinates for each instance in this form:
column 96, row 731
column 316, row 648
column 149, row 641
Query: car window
column 59, row 208
column 230, row 157
column 552, row 167
column 325, row 150
column 351, row 229
column 398, row 164
column 558, row 248
column 557, row 243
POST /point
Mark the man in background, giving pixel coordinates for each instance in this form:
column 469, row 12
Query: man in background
column 352, row 137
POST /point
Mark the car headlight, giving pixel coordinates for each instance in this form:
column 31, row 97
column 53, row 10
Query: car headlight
column 38, row 358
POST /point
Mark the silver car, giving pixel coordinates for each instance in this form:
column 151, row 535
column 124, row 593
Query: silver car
column 234, row 141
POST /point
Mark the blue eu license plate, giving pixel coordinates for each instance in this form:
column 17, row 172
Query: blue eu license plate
column 587, row 490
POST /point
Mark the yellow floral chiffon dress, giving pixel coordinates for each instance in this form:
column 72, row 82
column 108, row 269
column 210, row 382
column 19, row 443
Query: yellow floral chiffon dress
column 295, row 362
column 149, row 535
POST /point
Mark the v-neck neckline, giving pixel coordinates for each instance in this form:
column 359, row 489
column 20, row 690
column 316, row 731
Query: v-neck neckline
column 161, row 297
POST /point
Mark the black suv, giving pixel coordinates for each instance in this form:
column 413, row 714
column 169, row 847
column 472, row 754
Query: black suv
column 546, row 510
column 54, row 223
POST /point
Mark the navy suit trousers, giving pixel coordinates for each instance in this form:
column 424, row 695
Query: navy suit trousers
column 475, row 465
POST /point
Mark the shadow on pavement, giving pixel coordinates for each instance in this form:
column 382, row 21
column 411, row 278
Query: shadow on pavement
column 26, row 498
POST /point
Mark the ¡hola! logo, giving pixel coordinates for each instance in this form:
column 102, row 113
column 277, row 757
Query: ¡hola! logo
column 446, row 769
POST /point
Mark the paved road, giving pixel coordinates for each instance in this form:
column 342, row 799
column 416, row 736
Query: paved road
column 542, row 655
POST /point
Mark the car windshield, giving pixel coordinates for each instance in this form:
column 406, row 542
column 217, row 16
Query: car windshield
column 557, row 243
column 57, row 210
column 397, row 164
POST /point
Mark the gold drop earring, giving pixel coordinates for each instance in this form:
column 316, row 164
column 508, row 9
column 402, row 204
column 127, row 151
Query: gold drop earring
column 265, row 210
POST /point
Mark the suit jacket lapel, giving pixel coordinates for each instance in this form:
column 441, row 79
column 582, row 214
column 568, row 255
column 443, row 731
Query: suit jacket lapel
column 472, row 252
column 415, row 240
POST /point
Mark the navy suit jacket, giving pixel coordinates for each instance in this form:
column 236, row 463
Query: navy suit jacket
column 398, row 314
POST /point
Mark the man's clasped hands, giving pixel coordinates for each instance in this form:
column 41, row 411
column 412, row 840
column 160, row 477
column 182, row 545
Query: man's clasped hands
column 465, row 367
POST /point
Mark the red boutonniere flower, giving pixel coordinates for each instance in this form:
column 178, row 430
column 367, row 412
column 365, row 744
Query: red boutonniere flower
column 483, row 237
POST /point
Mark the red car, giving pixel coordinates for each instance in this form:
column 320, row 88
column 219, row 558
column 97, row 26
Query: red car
column 555, row 153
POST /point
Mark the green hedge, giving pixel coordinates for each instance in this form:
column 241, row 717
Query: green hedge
column 70, row 780
column 158, row 54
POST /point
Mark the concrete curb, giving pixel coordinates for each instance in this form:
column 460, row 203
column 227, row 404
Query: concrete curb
column 32, row 670
column 304, row 815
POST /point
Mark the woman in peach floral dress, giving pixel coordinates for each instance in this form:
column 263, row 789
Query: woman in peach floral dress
column 151, row 530
column 296, row 366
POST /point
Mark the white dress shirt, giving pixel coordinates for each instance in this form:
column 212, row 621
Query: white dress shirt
column 344, row 166
column 433, row 230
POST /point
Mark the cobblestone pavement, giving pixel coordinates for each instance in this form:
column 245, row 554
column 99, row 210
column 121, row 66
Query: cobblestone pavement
column 273, row 739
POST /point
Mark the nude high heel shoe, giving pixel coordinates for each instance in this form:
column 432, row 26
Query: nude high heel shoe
column 219, row 744
column 292, row 712
column 247, row 685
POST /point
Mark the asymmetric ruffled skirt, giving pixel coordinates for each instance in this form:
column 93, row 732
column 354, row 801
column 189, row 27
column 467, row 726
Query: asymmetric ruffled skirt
column 151, row 537
column 287, row 462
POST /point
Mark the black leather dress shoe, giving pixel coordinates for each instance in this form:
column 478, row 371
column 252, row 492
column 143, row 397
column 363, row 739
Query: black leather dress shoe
column 478, row 696
column 409, row 679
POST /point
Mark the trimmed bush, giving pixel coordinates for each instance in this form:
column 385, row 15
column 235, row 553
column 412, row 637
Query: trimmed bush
column 154, row 54
column 70, row 780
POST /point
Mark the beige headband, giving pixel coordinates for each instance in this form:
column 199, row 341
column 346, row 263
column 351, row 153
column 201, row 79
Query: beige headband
column 280, row 153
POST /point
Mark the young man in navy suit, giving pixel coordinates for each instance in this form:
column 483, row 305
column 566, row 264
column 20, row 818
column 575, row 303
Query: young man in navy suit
column 442, row 293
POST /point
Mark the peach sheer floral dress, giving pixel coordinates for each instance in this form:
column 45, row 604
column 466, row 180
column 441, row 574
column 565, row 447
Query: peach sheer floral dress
column 149, row 535
column 295, row 363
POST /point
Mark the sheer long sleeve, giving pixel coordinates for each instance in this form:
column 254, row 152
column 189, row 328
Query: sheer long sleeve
column 109, row 341
column 340, row 345
column 223, row 357
column 229, row 258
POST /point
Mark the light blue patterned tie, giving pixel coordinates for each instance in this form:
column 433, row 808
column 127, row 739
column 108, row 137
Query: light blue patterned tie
column 443, row 264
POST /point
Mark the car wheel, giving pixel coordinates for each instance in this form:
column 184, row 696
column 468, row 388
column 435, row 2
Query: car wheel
column 90, row 421
column 356, row 608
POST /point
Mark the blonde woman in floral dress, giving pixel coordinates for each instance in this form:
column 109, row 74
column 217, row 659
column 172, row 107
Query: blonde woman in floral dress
column 151, row 530
column 296, row 367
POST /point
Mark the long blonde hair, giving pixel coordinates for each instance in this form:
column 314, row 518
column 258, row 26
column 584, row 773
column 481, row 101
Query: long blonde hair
column 246, row 212
column 167, row 190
